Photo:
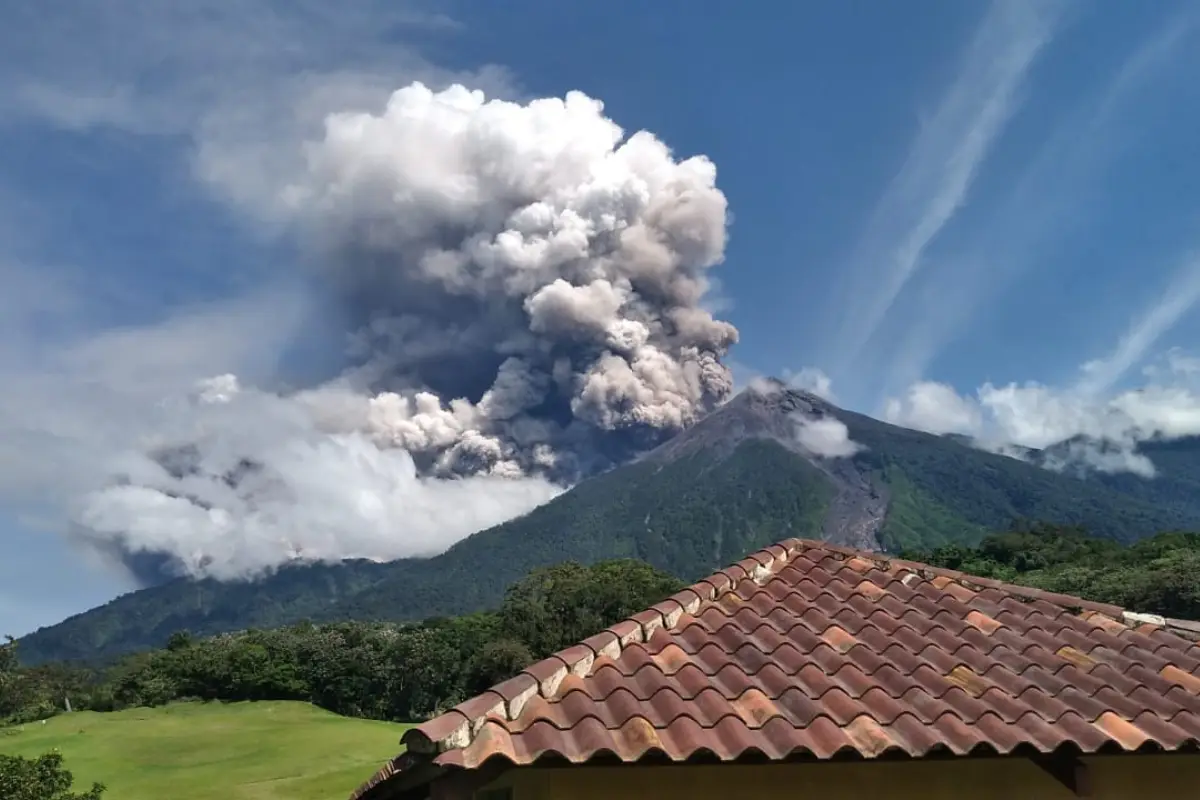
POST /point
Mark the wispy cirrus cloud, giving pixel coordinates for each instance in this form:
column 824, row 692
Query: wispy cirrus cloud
column 936, row 178
column 237, row 86
column 150, row 67
column 1180, row 297
column 1042, row 207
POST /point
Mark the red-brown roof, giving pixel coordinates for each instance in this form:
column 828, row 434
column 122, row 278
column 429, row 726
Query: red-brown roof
column 809, row 649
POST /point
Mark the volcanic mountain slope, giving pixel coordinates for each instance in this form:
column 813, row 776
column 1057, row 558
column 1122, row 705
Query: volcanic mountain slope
column 740, row 479
column 1176, row 482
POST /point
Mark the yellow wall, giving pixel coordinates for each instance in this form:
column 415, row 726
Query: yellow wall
column 1148, row 777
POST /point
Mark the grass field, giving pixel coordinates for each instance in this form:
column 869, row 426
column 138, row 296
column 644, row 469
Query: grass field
column 194, row 751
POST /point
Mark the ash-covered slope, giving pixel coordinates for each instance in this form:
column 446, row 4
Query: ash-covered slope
column 755, row 471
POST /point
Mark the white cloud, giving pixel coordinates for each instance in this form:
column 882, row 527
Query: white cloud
column 1034, row 415
column 1100, row 455
column 1108, row 423
column 820, row 433
column 826, row 437
column 151, row 67
column 74, row 396
column 813, row 380
column 936, row 408
column 817, row 431
column 940, row 167
column 319, row 496
column 233, row 81
column 1174, row 362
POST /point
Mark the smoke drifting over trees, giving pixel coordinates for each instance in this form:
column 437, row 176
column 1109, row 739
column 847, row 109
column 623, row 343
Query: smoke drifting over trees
column 525, row 285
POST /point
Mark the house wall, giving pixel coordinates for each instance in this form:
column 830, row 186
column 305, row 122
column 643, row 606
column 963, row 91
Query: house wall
column 1149, row 777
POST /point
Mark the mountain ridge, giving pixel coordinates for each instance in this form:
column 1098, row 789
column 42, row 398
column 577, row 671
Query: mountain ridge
column 739, row 479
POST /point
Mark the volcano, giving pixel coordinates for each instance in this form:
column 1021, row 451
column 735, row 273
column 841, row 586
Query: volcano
column 771, row 463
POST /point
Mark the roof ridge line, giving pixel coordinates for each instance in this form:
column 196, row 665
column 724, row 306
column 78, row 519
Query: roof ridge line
column 976, row 582
column 1132, row 620
column 1183, row 628
column 458, row 726
column 936, row 594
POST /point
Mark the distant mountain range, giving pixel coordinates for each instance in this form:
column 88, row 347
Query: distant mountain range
column 741, row 478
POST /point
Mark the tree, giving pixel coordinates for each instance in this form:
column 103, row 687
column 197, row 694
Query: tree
column 42, row 778
column 144, row 681
column 555, row 607
column 8, row 658
column 12, row 682
column 497, row 661
column 180, row 640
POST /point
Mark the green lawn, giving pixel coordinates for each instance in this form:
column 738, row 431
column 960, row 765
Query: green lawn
column 212, row 751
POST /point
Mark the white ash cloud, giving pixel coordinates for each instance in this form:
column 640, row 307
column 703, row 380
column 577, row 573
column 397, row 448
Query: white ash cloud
column 261, row 481
column 110, row 438
column 817, row 430
column 524, row 286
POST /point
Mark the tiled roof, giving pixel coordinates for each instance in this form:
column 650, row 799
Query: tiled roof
column 811, row 650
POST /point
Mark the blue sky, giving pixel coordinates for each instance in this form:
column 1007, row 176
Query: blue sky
column 969, row 216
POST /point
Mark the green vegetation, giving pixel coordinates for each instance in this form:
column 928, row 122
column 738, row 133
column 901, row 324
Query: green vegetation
column 209, row 751
column 1159, row 575
column 559, row 606
column 916, row 520
column 40, row 778
column 376, row 670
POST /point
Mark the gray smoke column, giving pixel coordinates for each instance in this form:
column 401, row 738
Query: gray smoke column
column 524, row 275
column 525, row 285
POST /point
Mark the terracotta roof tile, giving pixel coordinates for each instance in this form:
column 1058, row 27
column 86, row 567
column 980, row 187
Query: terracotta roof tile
column 811, row 649
column 604, row 643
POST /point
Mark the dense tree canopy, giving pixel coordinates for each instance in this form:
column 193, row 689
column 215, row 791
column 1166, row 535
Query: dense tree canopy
column 555, row 607
column 377, row 670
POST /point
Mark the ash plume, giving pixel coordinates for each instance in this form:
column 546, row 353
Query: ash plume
column 524, row 286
